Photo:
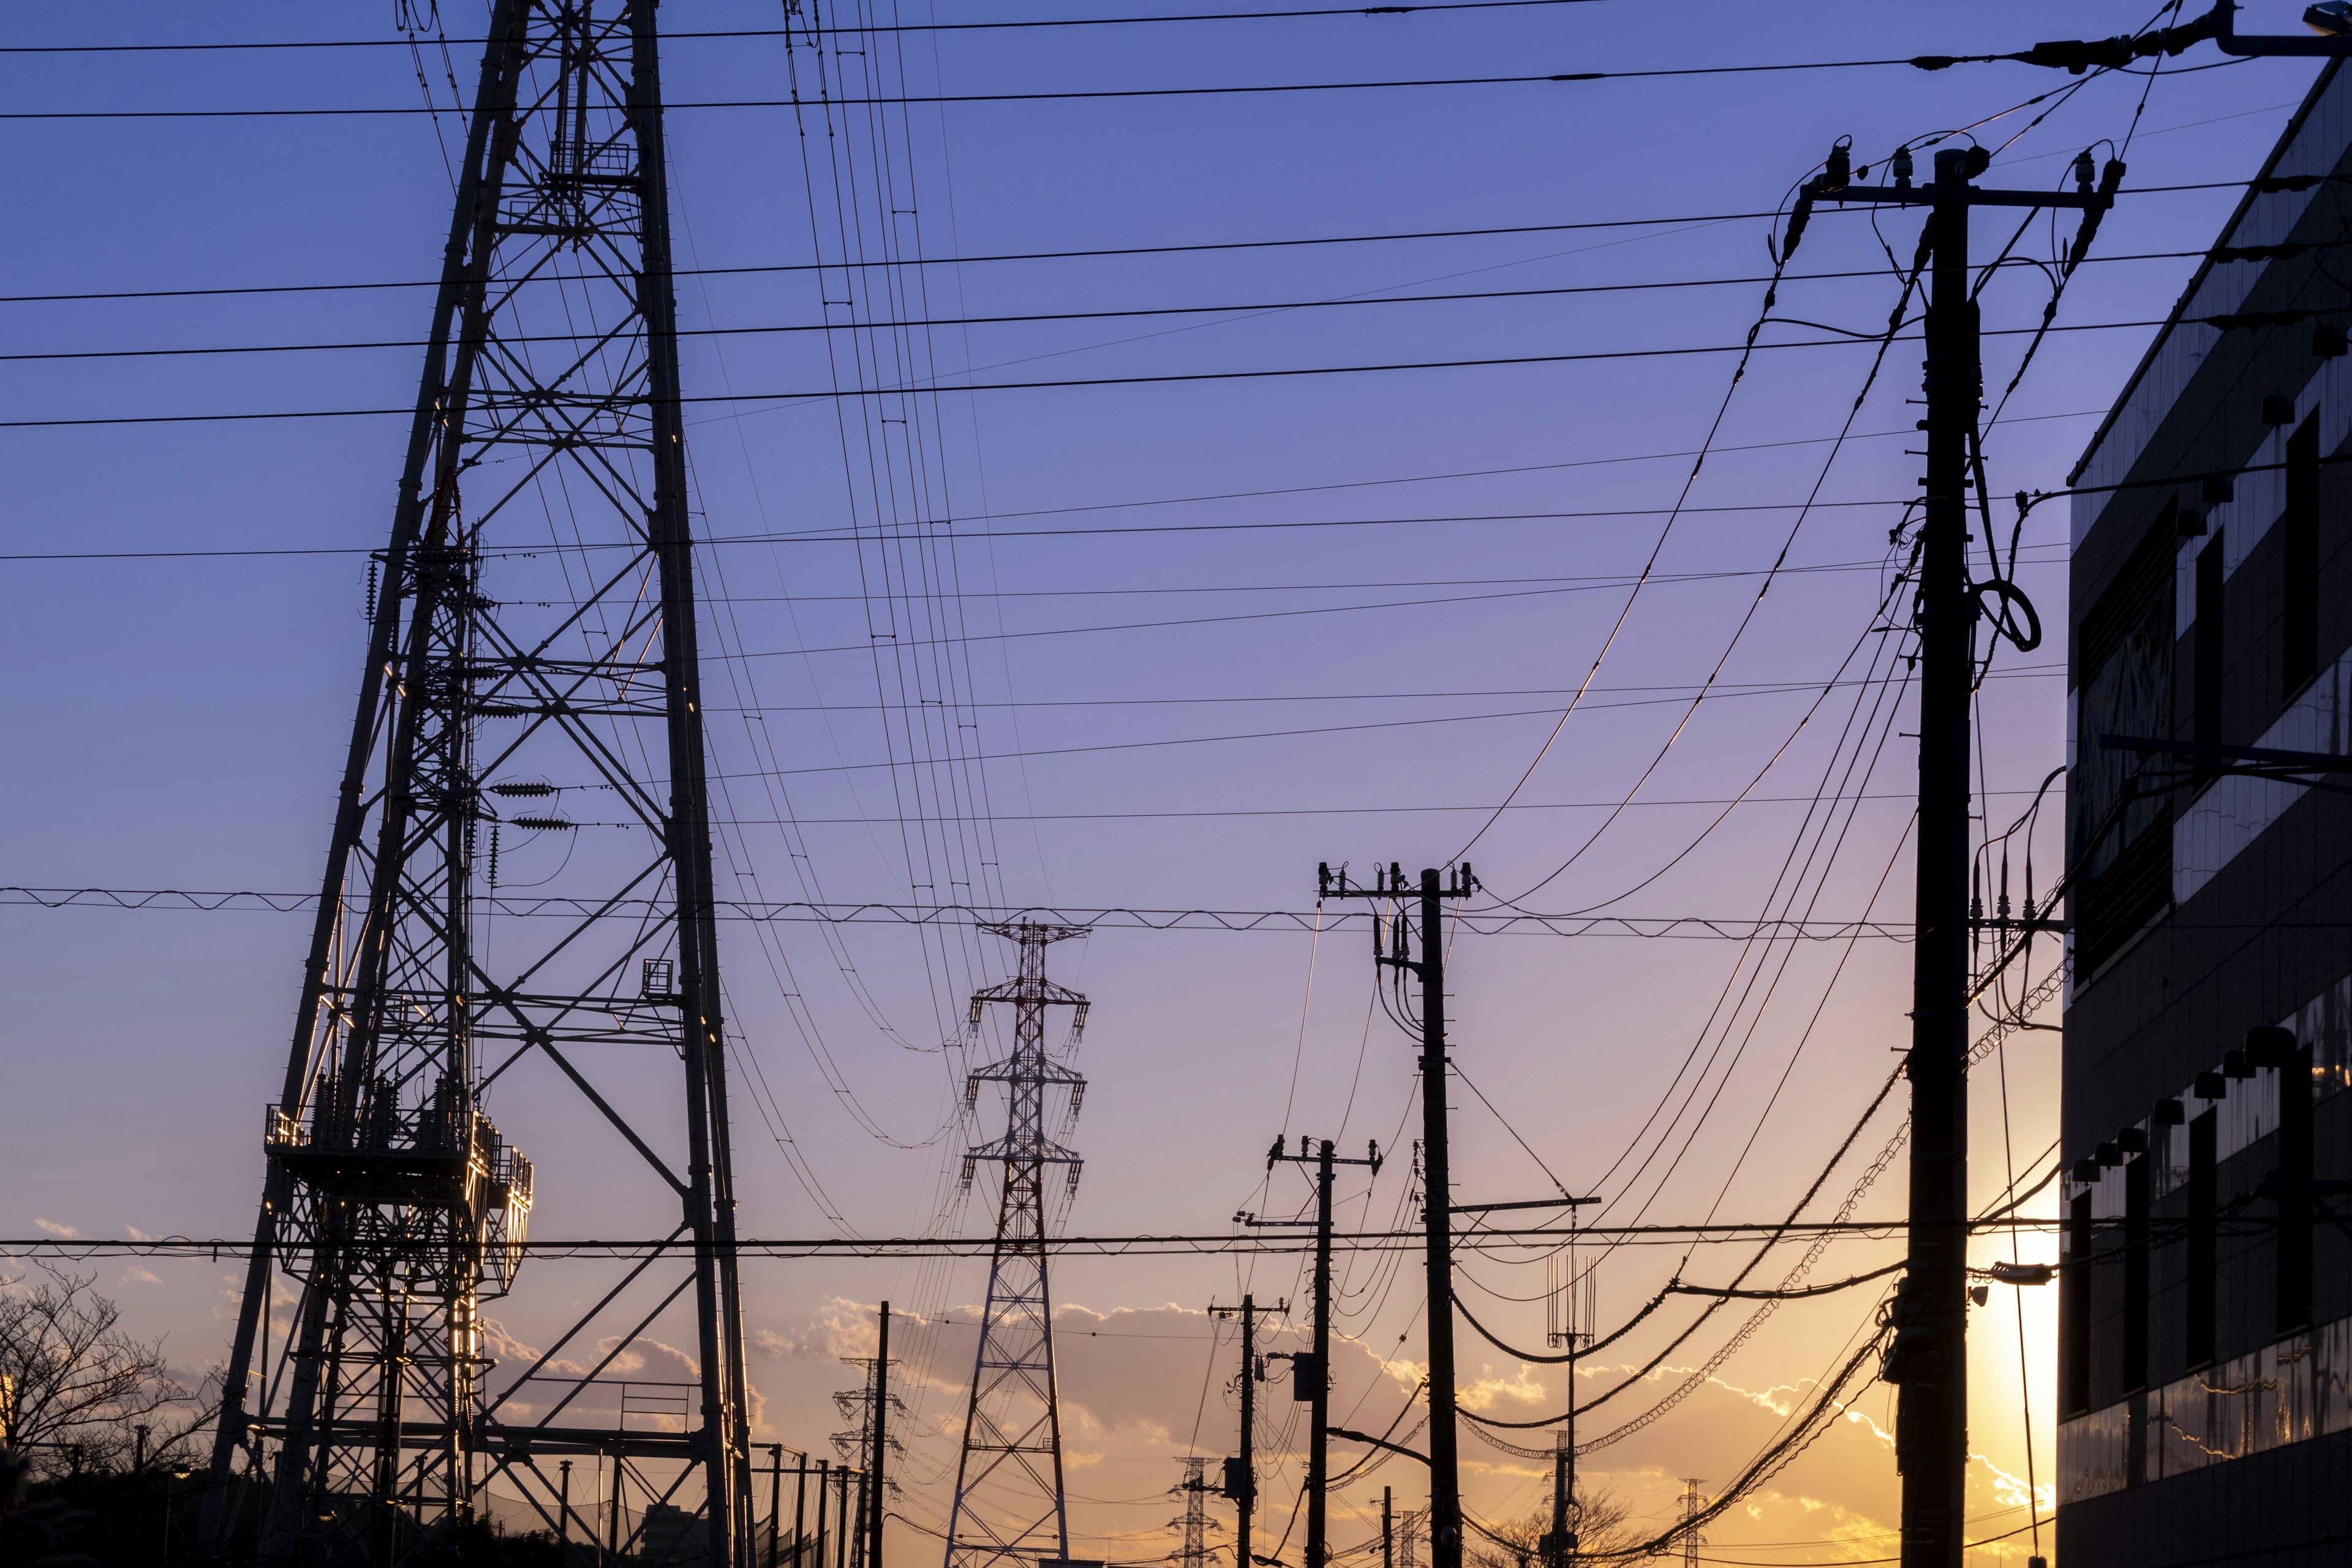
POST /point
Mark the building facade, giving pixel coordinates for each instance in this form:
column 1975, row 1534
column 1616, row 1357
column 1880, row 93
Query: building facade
column 2205, row 1356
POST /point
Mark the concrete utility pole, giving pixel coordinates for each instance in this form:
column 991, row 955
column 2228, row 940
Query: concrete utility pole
column 1560, row 1542
column 1241, row 1474
column 879, row 1448
column 1927, row 1362
column 1313, row 1369
column 1437, row 1206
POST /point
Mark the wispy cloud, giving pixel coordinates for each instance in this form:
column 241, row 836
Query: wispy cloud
column 54, row 1229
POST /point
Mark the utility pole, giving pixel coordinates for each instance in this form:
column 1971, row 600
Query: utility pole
column 1927, row 1362
column 1388, row 1529
column 1312, row 1372
column 1241, row 1474
column 1437, row 1206
column 776, row 1499
column 878, row 1448
column 1561, row 1543
column 822, row 1481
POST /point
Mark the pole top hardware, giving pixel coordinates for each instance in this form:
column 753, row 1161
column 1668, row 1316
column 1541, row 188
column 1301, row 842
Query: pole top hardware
column 1955, row 168
column 1558, row 1203
column 1310, row 1154
column 2331, row 20
column 1457, row 883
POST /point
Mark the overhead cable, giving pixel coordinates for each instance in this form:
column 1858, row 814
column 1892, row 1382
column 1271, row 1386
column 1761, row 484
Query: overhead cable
column 948, row 386
column 826, row 28
column 901, row 100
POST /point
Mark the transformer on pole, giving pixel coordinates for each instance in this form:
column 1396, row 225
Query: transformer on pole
column 531, row 639
column 1013, row 1426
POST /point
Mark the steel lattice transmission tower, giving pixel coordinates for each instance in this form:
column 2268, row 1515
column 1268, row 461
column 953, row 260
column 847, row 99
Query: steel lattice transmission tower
column 1694, row 1501
column 1196, row 1552
column 1009, row 1501
column 534, row 638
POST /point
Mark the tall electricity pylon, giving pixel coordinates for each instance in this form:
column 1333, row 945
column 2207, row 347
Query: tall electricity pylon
column 532, row 637
column 1196, row 1552
column 1692, row 1501
column 1012, row 1454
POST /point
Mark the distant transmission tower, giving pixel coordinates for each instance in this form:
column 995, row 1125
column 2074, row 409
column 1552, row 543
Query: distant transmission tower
column 1196, row 1552
column 1009, row 1505
column 532, row 633
column 1692, row 1501
column 856, row 1445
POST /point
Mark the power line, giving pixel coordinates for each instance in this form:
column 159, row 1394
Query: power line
column 830, row 27
column 1093, row 254
column 1137, row 1245
column 1105, row 506
column 522, row 907
column 857, row 265
column 902, row 100
column 938, row 386
column 1351, row 303
column 850, row 536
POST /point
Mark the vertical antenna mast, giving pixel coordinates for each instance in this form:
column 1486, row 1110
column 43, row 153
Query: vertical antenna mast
column 498, row 691
column 1013, row 1426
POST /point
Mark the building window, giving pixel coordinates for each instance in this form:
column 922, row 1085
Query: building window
column 2121, row 852
column 2136, row 1194
column 2074, row 1309
column 2205, row 698
column 2299, row 531
column 2203, row 1285
column 2294, row 1200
